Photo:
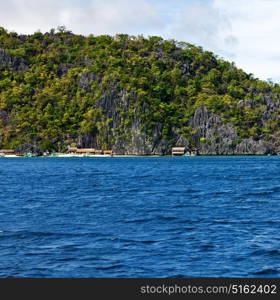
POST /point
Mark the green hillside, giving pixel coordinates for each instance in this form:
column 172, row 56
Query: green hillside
column 135, row 95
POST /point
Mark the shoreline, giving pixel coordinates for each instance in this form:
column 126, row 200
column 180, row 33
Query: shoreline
column 129, row 155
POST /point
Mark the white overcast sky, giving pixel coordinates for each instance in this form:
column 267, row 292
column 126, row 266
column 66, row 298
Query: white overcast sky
column 243, row 31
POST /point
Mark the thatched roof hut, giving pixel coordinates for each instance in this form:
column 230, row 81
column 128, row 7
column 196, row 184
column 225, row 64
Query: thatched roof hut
column 72, row 150
column 98, row 151
column 6, row 152
column 86, row 151
column 110, row 152
column 178, row 150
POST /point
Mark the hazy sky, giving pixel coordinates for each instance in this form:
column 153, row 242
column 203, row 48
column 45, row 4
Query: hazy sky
column 243, row 31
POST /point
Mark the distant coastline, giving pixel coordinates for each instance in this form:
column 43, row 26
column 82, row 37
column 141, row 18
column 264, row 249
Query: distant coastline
column 134, row 95
column 28, row 150
column 63, row 155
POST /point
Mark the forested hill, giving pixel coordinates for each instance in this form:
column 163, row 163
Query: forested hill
column 134, row 95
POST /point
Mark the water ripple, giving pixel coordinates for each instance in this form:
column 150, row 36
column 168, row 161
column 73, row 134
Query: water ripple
column 140, row 217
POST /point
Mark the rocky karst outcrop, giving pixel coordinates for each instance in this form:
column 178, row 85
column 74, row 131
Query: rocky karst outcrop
column 253, row 147
column 133, row 95
column 209, row 135
column 11, row 62
column 212, row 137
column 129, row 139
column 26, row 149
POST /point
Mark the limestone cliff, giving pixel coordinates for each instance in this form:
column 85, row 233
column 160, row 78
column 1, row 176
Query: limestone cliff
column 134, row 95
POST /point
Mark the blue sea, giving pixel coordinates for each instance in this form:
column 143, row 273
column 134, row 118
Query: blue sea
column 140, row 217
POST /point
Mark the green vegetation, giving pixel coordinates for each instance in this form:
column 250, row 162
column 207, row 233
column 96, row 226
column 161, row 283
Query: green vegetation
column 57, row 87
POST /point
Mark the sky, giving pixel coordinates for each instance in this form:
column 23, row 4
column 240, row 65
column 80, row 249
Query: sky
column 246, row 32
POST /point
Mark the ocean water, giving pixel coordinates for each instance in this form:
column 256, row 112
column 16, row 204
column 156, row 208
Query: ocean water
column 140, row 217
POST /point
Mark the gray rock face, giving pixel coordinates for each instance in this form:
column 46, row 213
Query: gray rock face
column 25, row 149
column 211, row 136
column 86, row 80
column 11, row 62
column 133, row 139
column 64, row 68
column 271, row 107
column 141, row 144
column 204, row 119
column 251, row 147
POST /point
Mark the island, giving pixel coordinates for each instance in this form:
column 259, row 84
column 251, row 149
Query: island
column 129, row 95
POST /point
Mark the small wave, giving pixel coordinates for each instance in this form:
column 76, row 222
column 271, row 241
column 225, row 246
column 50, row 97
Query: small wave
column 109, row 267
column 271, row 252
column 188, row 222
column 144, row 220
column 266, row 272
column 29, row 234
column 131, row 241
column 64, row 259
column 37, row 253
column 177, row 276
column 147, row 242
column 207, row 247
column 177, row 229
column 163, row 218
column 192, row 191
column 40, row 269
column 241, row 258
column 276, row 189
column 23, row 234
column 182, row 205
column 260, row 193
